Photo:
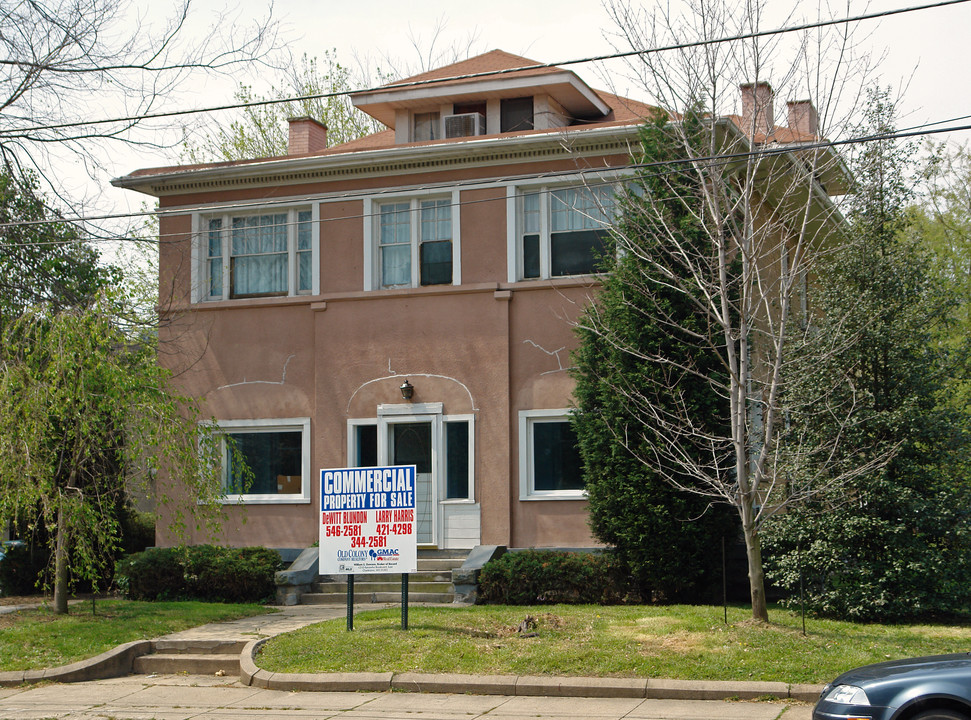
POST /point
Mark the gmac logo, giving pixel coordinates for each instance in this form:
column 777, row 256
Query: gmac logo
column 389, row 554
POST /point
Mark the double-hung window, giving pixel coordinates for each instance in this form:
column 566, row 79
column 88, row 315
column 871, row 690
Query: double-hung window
column 413, row 242
column 261, row 254
column 562, row 231
column 265, row 461
column 550, row 467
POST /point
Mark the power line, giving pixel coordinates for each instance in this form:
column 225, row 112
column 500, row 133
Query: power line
column 491, row 73
column 925, row 129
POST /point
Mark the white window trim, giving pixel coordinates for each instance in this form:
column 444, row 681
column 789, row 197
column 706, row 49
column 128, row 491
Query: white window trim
column 526, row 490
column 470, row 500
column 514, row 219
column 200, row 249
column 372, row 258
column 267, row 424
column 422, row 410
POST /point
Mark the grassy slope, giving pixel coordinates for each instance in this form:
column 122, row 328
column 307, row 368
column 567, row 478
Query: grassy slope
column 671, row 642
column 34, row 639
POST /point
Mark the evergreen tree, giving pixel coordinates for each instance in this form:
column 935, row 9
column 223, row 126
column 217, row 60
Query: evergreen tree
column 663, row 535
column 893, row 542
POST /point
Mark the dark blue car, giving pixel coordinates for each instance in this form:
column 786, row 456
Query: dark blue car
column 927, row 688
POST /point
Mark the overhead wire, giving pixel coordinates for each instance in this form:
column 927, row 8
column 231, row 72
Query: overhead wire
column 719, row 159
column 491, row 73
column 919, row 130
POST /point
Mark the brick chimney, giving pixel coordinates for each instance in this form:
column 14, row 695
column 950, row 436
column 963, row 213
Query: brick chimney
column 803, row 118
column 757, row 103
column 306, row 136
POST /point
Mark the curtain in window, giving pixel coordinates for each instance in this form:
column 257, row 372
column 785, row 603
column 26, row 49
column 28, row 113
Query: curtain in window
column 395, row 244
column 579, row 218
column 259, row 255
column 436, row 242
column 214, row 258
column 305, row 272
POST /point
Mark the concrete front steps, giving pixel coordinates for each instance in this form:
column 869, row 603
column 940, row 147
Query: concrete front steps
column 192, row 657
column 432, row 583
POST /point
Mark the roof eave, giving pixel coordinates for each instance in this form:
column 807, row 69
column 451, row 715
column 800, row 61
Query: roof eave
column 570, row 140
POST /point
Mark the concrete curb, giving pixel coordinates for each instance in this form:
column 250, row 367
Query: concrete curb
column 525, row 685
column 113, row 663
column 118, row 662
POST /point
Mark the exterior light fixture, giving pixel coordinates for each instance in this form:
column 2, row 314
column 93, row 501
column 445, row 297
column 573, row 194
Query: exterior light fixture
column 407, row 390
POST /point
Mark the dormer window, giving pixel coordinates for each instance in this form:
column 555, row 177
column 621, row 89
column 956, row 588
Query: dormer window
column 516, row 114
column 427, row 127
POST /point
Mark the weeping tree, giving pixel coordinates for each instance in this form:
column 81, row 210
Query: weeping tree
column 86, row 412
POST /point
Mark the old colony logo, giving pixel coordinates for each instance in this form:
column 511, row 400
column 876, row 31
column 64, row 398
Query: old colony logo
column 352, row 555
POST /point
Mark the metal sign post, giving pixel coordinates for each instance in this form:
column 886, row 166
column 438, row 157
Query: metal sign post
column 404, row 601
column 369, row 525
column 350, row 602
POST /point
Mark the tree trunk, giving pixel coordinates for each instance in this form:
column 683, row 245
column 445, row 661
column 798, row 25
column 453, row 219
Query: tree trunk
column 756, row 575
column 60, row 563
column 61, row 550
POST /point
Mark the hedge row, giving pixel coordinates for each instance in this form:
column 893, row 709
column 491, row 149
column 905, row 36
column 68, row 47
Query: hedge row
column 541, row 577
column 199, row 572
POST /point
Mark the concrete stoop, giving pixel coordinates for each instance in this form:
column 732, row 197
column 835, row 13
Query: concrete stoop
column 191, row 657
column 431, row 584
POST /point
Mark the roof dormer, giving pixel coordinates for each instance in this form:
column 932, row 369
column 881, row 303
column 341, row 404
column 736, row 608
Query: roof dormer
column 486, row 95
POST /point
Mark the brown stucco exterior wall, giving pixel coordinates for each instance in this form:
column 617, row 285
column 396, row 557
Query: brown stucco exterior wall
column 485, row 348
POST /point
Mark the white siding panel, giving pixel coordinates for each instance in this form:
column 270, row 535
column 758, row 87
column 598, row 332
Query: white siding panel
column 462, row 525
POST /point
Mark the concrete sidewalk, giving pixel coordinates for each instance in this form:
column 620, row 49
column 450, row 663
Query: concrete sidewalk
column 197, row 697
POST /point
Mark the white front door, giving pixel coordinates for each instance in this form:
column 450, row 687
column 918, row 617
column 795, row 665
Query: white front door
column 441, row 449
column 413, row 440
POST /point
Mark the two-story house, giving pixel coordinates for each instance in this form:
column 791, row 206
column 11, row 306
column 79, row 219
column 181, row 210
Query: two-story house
column 402, row 298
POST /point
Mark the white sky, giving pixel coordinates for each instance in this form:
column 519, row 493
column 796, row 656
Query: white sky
column 928, row 51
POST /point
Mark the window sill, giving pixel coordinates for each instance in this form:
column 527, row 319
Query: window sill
column 265, row 301
column 555, row 495
column 264, row 500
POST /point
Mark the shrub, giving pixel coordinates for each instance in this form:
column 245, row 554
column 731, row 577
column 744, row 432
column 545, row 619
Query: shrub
column 530, row 577
column 154, row 574
column 137, row 530
column 200, row 572
column 20, row 570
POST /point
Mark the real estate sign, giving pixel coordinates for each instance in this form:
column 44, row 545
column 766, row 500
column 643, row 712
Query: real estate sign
column 367, row 520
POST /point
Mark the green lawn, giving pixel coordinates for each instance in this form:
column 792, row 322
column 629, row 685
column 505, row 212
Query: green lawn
column 684, row 642
column 34, row 639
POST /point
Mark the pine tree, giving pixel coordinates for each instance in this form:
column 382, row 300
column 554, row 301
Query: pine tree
column 891, row 543
column 663, row 535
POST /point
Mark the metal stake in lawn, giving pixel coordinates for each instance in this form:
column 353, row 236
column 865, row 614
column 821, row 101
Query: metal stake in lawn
column 350, row 603
column 404, row 601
